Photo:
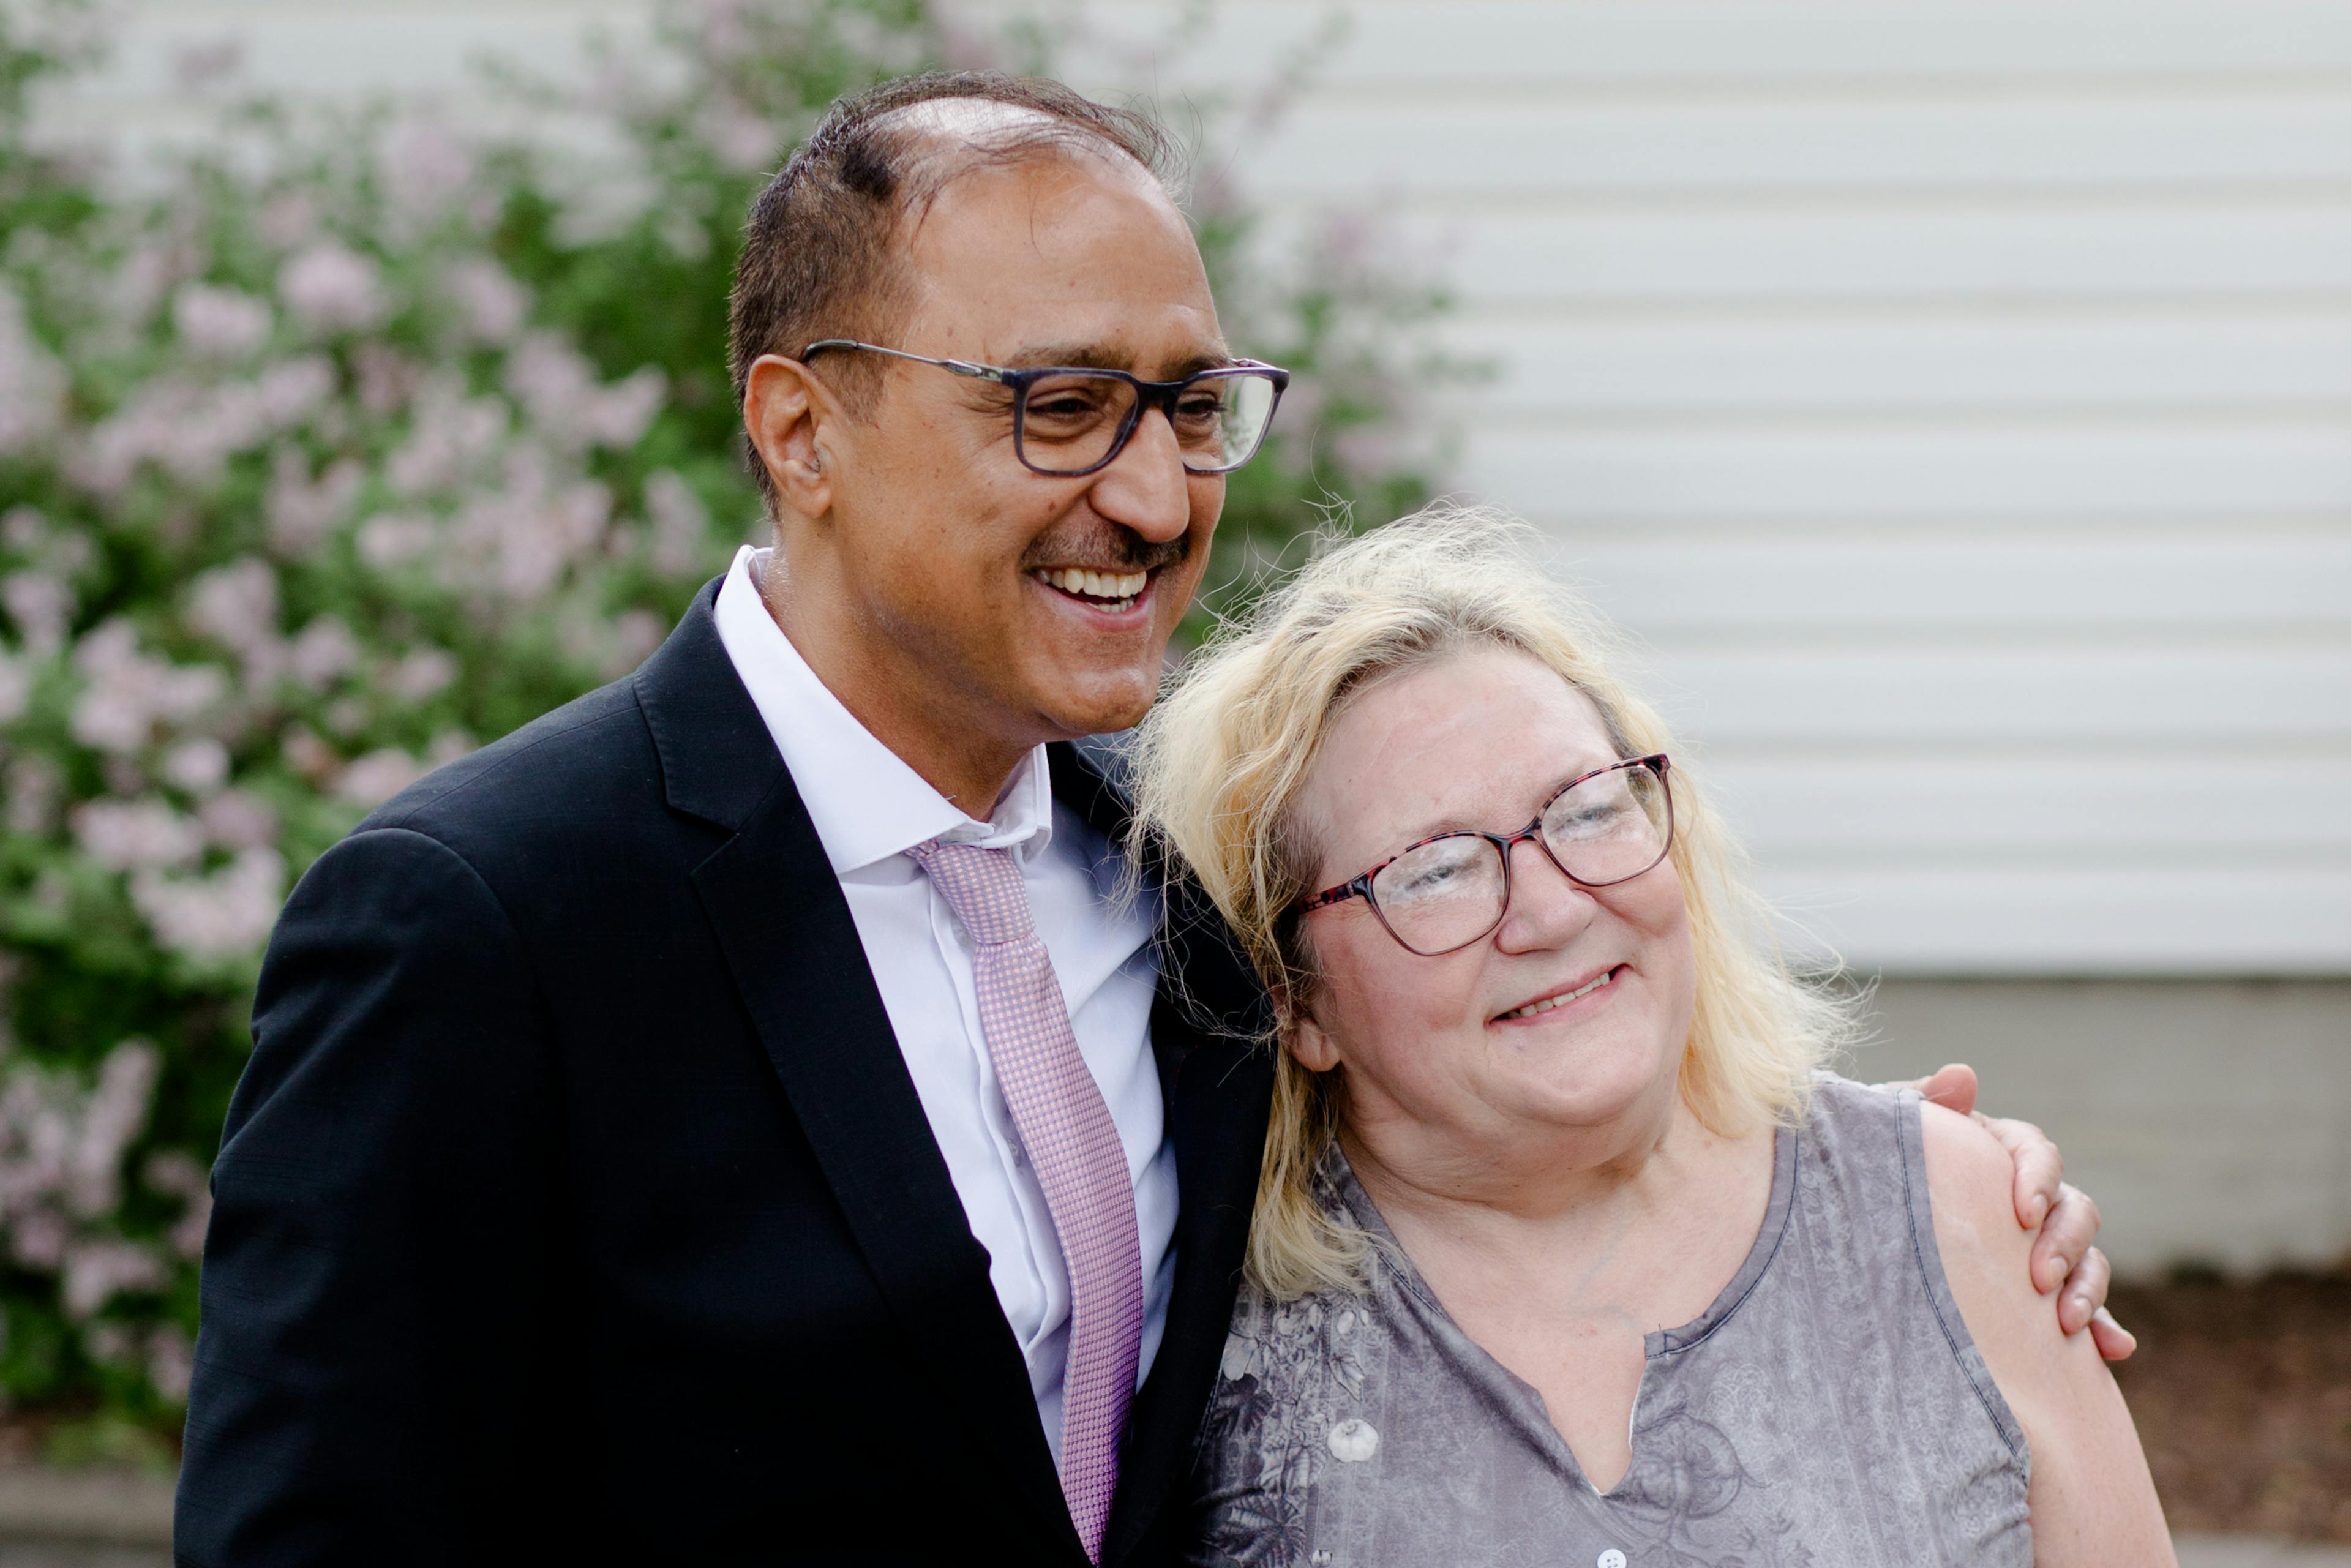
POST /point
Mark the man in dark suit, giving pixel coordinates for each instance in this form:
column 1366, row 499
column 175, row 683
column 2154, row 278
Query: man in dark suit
column 737, row 1118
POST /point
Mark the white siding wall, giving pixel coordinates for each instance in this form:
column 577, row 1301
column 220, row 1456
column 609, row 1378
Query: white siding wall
column 1957, row 400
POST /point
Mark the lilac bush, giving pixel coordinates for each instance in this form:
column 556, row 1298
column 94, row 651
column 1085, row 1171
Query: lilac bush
column 350, row 444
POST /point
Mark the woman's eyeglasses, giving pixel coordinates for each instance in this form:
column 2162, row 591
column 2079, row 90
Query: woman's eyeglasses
column 1444, row 892
column 1068, row 422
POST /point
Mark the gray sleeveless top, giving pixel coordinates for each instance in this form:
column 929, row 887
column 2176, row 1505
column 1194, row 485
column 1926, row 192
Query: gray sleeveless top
column 1829, row 1410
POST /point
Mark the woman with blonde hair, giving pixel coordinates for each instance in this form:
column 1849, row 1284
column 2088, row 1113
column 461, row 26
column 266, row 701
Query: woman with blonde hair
column 1565, row 1249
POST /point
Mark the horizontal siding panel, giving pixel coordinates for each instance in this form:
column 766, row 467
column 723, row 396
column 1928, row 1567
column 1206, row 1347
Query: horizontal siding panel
column 2017, row 920
column 1519, row 254
column 1858, row 471
column 1877, row 693
column 1787, row 586
column 2150, row 359
column 2211, row 809
column 1421, row 43
column 1531, row 149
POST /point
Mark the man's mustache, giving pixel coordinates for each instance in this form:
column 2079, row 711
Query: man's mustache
column 1122, row 550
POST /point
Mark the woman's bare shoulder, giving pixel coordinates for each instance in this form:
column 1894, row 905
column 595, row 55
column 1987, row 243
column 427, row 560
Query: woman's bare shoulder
column 2092, row 1500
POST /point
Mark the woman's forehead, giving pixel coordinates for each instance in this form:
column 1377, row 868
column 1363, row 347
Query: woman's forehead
column 1474, row 739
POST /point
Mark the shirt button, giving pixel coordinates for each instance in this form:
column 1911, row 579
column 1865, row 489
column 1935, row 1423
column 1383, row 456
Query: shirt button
column 1611, row 1558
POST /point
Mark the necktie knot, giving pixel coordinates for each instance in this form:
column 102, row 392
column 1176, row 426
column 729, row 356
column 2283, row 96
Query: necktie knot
column 982, row 886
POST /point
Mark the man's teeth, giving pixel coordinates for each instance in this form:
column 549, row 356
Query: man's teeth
column 1121, row 586
column 1550, row 1002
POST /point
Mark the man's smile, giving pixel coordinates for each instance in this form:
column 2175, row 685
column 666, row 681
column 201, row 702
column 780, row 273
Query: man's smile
column 1112, row 590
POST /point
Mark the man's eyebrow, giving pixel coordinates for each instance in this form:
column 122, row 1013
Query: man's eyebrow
column 1100, row 356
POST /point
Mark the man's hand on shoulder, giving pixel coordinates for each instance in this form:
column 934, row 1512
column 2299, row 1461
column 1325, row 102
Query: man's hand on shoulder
column 2064, row 1261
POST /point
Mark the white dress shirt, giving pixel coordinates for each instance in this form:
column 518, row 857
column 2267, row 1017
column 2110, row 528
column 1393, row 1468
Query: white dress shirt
column 869, row 808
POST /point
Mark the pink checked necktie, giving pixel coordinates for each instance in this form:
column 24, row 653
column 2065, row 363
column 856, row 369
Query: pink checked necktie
column 1072, row 1144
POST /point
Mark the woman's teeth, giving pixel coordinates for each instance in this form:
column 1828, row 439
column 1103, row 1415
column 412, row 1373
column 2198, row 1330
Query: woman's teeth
column 1112, row 590
column 1547, row 1003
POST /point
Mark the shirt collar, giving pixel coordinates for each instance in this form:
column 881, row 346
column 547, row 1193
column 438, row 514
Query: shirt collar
column 864, row 801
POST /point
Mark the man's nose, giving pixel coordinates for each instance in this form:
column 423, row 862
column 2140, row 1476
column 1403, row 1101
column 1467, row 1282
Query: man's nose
column 1146, row 487
column 1548, row 908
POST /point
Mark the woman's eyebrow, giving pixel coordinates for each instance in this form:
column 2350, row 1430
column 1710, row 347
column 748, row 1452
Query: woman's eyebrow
column 1458, row 824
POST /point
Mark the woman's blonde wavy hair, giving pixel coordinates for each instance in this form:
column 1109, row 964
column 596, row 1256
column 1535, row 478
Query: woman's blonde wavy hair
column 1220, row 761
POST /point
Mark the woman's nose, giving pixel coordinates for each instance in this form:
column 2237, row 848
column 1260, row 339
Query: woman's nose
column 1547, row 908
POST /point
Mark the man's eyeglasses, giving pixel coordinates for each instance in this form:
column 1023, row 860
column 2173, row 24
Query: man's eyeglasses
column 1068, row 421
column 1444, row 892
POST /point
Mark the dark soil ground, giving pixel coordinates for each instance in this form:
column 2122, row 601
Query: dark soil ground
column 2242, row 1390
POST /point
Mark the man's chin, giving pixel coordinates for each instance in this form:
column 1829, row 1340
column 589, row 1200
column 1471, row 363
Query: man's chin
column 1103, row 707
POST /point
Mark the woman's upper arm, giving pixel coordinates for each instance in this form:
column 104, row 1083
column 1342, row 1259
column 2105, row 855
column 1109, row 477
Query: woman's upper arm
column 2091, row 1498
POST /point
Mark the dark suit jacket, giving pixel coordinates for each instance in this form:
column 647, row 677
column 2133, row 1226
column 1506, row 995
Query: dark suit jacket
column 577, row 1206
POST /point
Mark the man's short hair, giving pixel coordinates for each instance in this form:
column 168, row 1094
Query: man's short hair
column 824, row 251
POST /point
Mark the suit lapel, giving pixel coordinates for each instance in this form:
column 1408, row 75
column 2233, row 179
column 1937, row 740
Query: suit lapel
column 1204, row 1025
column 789, row 939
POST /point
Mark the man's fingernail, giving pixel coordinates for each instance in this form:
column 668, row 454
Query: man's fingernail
column 2082, row 1305
column 2052, row 1274
column 2040, row 1209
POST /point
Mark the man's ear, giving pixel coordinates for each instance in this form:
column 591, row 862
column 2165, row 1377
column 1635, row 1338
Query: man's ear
column 788, row 412
column 1302, row 1035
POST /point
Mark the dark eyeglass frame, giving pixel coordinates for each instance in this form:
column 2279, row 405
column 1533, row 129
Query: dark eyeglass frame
column 1161, row 395
column 1360, row 886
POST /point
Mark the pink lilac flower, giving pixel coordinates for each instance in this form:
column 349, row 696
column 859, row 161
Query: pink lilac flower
column 290, row 220
column 41, row 603
column 743, row 141
column 113, row 1117
column 220, row 323
column 396, row 539
column 308, row 755
column 98, row 1271
column 126, row 693
column 324, row 652
column 238, row 820
column 618, row 416
column 449, row 435
column 424, row 166
column 681, row 532
column 170, row 1361
column 635, row 635
column 32, row 382
column 420, row 675
column 35, row 787
column 553, row 382
column 16, row 688
column 331, row 288
column 295, row 392
column 302, row 513
column 23, row 528
column 188, row 430
column 376, row 777
column 174, row 1172
column 196, row 766
column 490, row 303
column 225, row 915
column 235, row 606
column 448, row 745
column 134, row 835
column 387, row 378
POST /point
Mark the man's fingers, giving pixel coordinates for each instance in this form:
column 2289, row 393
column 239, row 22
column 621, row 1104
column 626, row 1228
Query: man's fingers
column 2086, row 1293
column 1953, row 1087
column 2040, row 1176
column 2114, row 1342
column 2064, row 1245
